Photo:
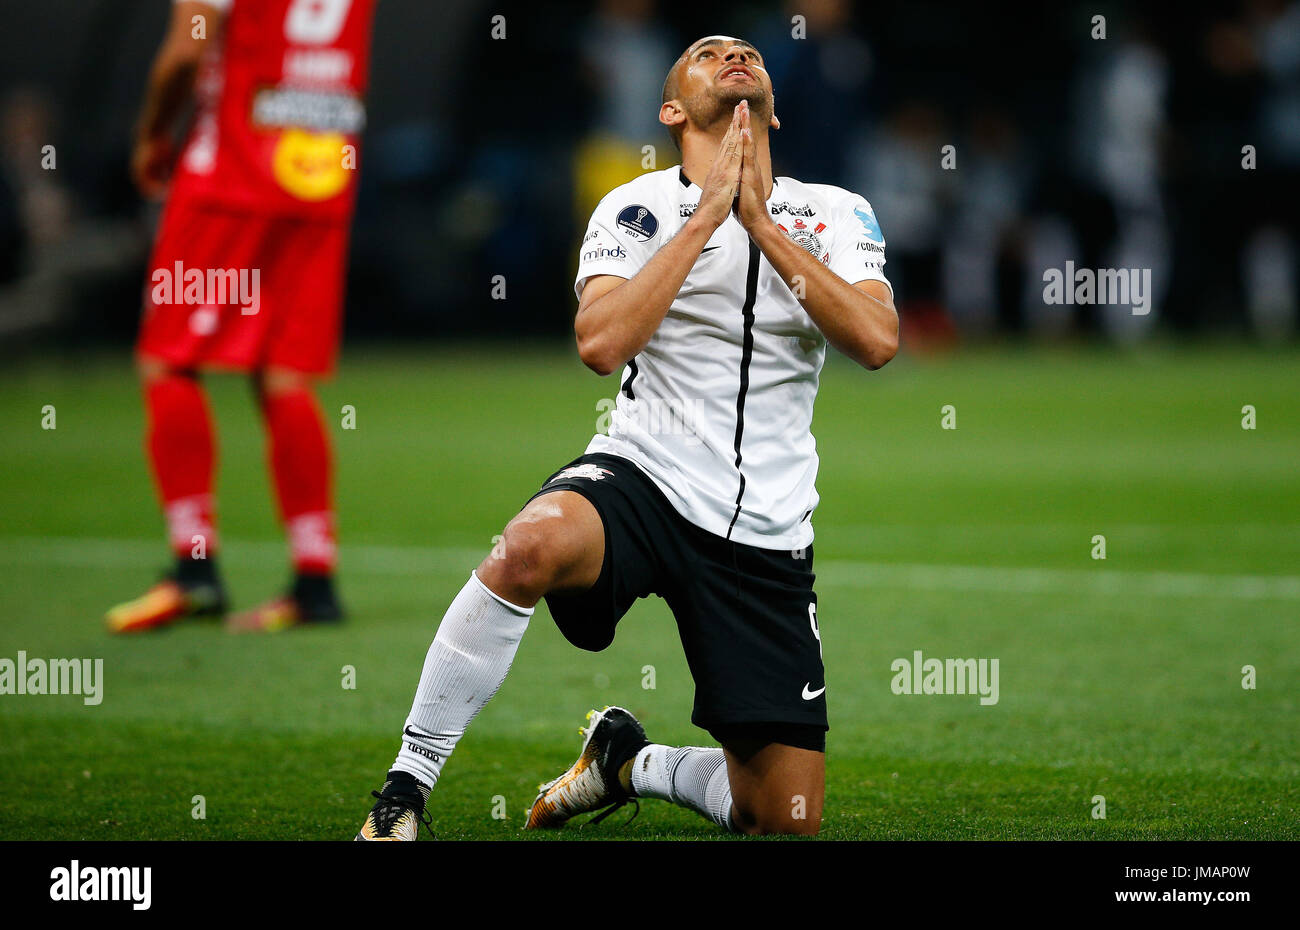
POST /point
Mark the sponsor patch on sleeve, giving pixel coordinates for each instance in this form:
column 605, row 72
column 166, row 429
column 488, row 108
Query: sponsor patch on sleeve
column 637, row 221
column 870, row 226
column 599, row 252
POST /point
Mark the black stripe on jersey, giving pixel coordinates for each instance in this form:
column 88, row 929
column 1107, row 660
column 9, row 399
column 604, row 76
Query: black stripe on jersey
column 627, row 385
column 746, row 356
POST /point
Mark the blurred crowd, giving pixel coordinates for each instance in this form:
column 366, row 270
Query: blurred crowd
column 993, row 141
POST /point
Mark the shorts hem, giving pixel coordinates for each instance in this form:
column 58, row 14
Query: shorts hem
column 777, row 718
column 801, row 734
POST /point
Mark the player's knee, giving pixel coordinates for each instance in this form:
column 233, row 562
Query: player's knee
column 153, row 370
column 776, row 818
column 805, row 826
column 522, row 565
column 272, row 381
column 761, row 825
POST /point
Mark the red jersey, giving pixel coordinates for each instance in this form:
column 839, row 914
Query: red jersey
column 281, row 109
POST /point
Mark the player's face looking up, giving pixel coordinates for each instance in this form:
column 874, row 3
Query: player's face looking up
column 710, row 79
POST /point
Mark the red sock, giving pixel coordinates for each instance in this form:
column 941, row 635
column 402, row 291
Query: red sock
column 182, row 454
column 301, row 466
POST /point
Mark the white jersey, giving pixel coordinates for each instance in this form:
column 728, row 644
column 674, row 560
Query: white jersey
column 717, row 408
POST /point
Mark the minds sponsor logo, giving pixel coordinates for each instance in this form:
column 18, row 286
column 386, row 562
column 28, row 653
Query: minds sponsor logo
column 603, row 253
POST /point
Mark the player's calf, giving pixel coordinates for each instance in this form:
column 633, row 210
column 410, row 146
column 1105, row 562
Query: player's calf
column 302, row 472
column 555, row 542
column 180, row 448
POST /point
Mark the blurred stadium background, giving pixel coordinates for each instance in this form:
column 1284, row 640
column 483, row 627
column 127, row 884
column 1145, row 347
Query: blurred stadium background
column 482, row 158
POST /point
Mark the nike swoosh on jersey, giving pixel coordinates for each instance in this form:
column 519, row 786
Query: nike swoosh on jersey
column 810, row 695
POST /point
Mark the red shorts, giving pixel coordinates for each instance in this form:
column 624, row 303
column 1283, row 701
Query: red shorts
column 243, row 291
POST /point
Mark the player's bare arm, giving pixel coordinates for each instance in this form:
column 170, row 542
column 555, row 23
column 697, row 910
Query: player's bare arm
column 617, row 316
column 171, row 82
column 858, row 319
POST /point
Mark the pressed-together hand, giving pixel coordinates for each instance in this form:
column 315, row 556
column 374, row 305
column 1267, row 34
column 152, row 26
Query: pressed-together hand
column 719, row 188
column 751, row 206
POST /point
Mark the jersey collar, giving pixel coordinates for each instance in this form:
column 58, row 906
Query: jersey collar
column 688, row 183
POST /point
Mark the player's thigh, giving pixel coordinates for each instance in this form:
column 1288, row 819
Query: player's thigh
column 776, row 788
column 556, row 543
column 303, row 286
column 185, row 329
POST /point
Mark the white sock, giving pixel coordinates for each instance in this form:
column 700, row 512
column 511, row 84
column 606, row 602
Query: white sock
column 691, row 776
column 466, row 664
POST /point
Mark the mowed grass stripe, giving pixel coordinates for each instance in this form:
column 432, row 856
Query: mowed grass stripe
column 114, row 554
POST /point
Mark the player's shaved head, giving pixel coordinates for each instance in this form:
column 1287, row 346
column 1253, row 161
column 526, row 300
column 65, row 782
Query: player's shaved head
column 671, row 83
column 695, row 107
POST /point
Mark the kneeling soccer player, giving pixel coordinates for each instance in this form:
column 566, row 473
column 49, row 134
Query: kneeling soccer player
column 718, row 287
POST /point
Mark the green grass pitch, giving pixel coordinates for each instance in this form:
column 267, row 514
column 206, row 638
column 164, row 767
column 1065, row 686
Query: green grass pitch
column 1120, row 678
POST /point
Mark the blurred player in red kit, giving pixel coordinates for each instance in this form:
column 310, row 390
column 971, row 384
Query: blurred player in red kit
column 247, row 275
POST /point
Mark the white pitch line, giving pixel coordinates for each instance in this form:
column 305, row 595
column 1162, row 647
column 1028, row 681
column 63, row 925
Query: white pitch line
column 76, row 552
column 1105, row 581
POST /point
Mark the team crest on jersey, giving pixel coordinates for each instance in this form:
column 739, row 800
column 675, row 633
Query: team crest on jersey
column 638, row 221
column 807, row 237
column 586, row 470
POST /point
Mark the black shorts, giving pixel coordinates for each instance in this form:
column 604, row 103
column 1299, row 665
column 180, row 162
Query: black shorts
column 746, row 616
